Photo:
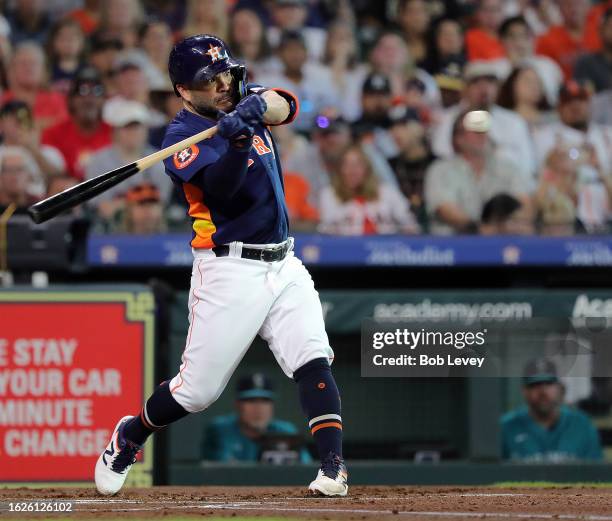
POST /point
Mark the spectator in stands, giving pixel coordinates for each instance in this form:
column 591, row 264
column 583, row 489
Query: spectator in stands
column 457, row 188
column 376, row 102
column 291, row 15
column 504, row 214
column 103, row 55
column 65, row 52
column 523, row 93
column 596, row 68
column 391, row 58
column 156, row 41
column 18, row 171
column 348, row 74
column 518, row 42
column 482, row 41
column 84, row 132
column 545, row 430
column 87, row 16
column 310, row 81
column 130, row 122
column 412, row 158
column 206, row 17
column 239, row 436
column 575, row 128
column 17, row 129
column 573, row 191
column 509, row 131
column 27, row 82
column 331, row 135
column 29, row 21
column 132, row 84
column 556, row 198
column 120, row 20
column 446, row 51
column 357, row 203
column 414, row 18
column 249, row 42
column 563, row 43
column 143, row 213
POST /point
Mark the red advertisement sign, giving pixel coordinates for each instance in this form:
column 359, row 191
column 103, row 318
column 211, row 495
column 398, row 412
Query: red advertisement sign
column 68, row 371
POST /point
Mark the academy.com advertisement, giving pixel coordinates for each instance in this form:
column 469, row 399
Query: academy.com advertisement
column 345, row 310
column 66, row 361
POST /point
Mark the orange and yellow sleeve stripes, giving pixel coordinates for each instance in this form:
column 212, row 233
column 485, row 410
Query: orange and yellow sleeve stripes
column 325, row 421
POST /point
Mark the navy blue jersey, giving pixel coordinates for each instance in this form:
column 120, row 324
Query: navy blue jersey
column 256, row 213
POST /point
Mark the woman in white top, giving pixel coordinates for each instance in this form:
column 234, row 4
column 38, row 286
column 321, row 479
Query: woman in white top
column 357, row 203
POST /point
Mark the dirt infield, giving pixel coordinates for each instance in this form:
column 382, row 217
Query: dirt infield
column 363, row 503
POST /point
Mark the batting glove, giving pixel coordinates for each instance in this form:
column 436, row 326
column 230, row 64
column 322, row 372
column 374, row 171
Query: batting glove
column 252, row 109
column 233, row 128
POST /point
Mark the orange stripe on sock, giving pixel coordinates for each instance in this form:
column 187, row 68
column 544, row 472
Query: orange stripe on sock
column 324, row 425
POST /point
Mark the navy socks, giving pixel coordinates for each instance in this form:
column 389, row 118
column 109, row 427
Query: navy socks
column 320, row 401
column 159, row 410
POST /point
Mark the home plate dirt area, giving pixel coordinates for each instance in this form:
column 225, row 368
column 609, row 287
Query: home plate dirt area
column 363, row 503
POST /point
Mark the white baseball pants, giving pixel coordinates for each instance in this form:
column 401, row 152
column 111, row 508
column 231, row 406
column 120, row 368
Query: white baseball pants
column 231, row 301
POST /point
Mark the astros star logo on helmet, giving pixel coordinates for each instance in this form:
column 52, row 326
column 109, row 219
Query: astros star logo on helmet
column 216, row 53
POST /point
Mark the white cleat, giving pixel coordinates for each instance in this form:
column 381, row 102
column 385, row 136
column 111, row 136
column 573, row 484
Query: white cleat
column 331, row 479
column 116, row 461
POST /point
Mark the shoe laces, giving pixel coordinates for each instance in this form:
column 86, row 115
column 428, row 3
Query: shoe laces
column 126, row 456
column 332, row 465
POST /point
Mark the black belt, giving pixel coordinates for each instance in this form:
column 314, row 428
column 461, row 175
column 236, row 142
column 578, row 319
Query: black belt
column 267, row 254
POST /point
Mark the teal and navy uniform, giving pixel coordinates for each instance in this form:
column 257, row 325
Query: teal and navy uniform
column 573, row 437
column 224, row 441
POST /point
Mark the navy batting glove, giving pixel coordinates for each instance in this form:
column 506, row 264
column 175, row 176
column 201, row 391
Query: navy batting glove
column 233, row 128
column 252, row 109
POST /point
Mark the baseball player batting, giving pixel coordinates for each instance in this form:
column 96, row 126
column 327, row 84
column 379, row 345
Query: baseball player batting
column 245, row 280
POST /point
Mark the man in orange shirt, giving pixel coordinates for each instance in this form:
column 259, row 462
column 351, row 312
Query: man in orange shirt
column 84, row 132
column 563, row 43
column 482, row 42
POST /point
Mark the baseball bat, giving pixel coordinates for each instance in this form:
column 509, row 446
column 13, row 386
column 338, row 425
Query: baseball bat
column 56, row 204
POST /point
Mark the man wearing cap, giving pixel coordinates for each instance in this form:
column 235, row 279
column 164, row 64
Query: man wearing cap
column 83, row 132
column 509, row 131
column 457, row 188
column 143, row 212
column 130, row 122
column 545, row 430
column 575, row 127
column 236, row 437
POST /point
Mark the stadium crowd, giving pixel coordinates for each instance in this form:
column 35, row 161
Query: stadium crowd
column 384, row 142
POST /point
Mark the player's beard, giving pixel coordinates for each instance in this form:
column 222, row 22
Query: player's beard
column 218, row 106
